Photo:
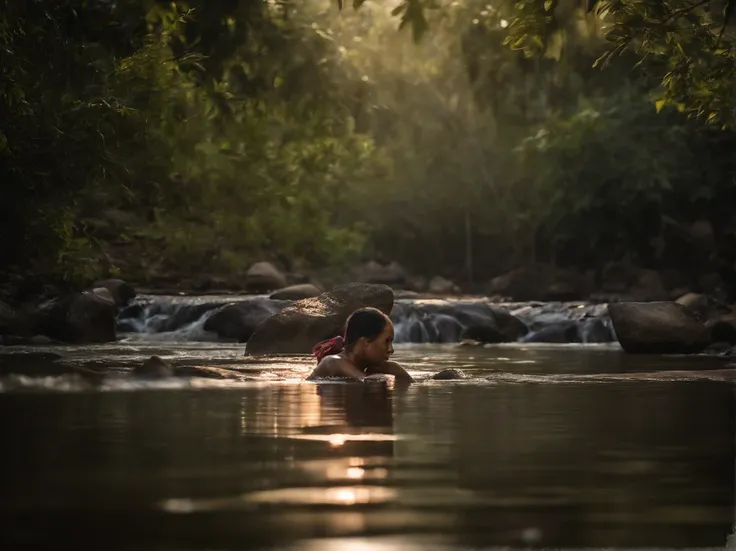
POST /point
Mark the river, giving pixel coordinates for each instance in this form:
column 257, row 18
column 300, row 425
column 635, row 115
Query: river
column 542, row 445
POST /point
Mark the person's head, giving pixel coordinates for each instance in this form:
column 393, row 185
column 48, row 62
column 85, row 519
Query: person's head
column 369, row 334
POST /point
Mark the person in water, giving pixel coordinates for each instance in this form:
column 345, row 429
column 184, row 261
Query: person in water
column 363, row 351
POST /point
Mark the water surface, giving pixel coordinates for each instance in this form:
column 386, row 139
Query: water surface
column 543, row 446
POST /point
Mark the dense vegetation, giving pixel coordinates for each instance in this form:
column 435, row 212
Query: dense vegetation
column 171, row 139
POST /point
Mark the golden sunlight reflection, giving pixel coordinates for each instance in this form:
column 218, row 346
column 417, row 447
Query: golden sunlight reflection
column 355, row 472
column 336, row 440
column 339, row 496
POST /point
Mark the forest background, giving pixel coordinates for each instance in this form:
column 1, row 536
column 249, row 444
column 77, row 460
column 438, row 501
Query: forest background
column 177, row 143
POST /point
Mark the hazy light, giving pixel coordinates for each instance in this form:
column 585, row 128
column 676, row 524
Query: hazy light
column 336, row 440
column 503, row 23
column 355, row 472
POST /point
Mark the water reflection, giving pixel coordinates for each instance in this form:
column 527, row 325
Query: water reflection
column 563, row 465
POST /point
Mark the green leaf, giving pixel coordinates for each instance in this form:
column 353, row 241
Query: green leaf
column 659, row 104
column 399, row 9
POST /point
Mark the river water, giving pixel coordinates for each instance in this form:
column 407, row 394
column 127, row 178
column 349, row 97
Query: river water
column 541, row 446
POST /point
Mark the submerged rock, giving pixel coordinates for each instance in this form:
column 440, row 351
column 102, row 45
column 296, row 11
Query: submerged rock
column 157, row 368
column 449, row 374
column 207, row 372
column 658, row 328
column 297, row 328
column 154, row 368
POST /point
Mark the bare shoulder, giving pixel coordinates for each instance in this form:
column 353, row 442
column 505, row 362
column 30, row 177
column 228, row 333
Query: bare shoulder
column 330, row 366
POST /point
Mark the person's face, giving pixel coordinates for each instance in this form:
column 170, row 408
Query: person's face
column 379, row 350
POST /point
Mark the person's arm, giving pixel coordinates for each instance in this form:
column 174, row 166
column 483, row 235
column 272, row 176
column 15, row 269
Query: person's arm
column 392, row 368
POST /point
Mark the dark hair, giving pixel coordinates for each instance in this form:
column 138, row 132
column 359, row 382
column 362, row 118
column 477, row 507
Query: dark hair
column 364, row 322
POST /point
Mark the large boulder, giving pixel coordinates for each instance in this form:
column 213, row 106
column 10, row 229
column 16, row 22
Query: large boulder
column 120, row 291
column 297, row 292
column 297, row 328
column 262, row 277
column 239, row 320
column 658, row 328
column 78, row 318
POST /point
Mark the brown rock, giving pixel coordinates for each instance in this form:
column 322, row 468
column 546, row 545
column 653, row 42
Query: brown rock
column 297, row 328
column 154, row 368
column 122, row 293
column 658, row 328
column 263, row 277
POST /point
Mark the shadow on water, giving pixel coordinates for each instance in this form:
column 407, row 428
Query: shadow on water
column 569, row 465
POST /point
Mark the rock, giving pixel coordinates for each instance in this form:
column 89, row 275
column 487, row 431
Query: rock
column 441, row 286
column 595, row 330
column 239, row 320
column 122, row 293
column 297, row 328
column 503, row 327
column 718, row 347
column 482, row 334
column 417, row 284
column 562, row 332
column 695, row 302
column 103, row 293
column 154, row 368
column 449, row 375
column 15, row 340
column 541, row 282
column 207, row 372
column 469, row 342
column 722, row 330
column 658, row 328
column 296, row 292
column 78, row 318
column 510, row 327
column 450, row 321
column 391, row 274
column 404, row 293
column 264, row 277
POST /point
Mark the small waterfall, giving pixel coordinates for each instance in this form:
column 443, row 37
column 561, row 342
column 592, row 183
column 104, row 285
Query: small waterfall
column 173, row 318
